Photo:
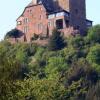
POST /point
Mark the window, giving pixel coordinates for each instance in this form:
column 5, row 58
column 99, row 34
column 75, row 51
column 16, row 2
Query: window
column 26, row 20
column 40, row 17
column 26, row 29
column 19, row 23
column 59, row 24
column 49, row 24
column 40, row 26
column 30, row 11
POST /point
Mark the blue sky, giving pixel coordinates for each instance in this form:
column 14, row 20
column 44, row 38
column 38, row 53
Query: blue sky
column 11, row 9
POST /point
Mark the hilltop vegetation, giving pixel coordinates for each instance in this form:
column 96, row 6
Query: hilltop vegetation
column 70, row 72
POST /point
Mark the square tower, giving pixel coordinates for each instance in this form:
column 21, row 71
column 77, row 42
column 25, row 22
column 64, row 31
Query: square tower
column 77, row 10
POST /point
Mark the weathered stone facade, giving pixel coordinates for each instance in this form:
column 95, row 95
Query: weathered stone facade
column 42, row 16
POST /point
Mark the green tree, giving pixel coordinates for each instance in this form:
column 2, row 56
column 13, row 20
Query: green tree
column 94, row 34
column 56, row 41
column 76, row 42
column 56, row 66
column 14, row 33
column 40, row 90
column 10, row 71
column 94, row 56
column 78, row 79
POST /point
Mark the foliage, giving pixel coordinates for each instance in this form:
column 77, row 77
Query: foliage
column 65, row 72
column 41, row 90
column 14, row 33
column 94, row 56
column 94, row 34
column 55, row 66
column 78, row 79
column 56, row 41
column 77, row 41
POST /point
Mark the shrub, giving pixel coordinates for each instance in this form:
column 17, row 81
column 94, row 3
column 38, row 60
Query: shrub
column 94, row 34
column 14, row 33
column 56, row 41
column 94, row 56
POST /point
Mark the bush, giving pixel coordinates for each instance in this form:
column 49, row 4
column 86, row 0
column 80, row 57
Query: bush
column 56, row 41
column 94, row 34
column 94, row 56
column 82, row 70
column 76, row 42
column 14, row 33
column 40, row 90
column 55, row 67
column 78, row 79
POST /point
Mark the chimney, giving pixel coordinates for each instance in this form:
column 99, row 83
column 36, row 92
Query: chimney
column 34, row 1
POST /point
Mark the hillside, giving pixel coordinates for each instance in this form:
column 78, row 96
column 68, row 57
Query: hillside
column 66, row 71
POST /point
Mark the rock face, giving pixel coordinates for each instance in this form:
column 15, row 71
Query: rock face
column 42, row 16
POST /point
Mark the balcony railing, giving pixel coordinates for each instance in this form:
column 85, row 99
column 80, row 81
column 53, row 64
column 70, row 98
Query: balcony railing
column 58, row 14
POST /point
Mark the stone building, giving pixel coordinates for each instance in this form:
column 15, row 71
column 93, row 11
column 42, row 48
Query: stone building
column 42, row 16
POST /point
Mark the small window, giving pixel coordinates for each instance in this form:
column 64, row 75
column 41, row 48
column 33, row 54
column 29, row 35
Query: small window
column 30, row 11
column 59, row 24
column 49, row 24
column 40, row 26
column 26, row 29
column 40, row 17
column 19, row 23
column 26, row 20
